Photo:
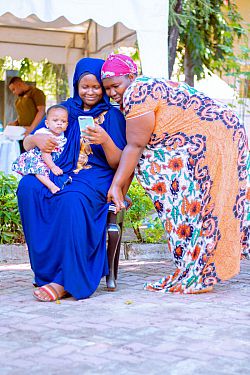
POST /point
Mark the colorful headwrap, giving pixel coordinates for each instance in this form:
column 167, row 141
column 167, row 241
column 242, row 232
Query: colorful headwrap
column 118, row 65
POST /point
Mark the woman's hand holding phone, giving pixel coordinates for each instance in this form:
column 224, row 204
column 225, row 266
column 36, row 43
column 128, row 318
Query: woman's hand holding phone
column 95, row 134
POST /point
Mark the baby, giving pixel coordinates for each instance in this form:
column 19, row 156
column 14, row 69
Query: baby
column 41, row 163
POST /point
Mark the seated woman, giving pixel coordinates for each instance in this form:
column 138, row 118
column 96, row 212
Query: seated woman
column 66, row 232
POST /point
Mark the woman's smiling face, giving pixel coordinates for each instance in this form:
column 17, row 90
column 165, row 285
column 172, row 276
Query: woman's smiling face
column 90, row 91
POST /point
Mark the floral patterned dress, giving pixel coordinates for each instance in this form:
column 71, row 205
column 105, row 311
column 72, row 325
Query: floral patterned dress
column 31, row 162
column 194, row 170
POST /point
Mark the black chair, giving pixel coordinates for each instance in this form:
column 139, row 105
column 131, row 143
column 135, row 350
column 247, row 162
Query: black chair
column 114, row 231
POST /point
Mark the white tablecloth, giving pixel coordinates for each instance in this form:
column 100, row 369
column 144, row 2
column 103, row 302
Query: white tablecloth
column 9, row 151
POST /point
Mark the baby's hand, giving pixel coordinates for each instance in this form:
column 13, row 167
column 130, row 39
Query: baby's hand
column 56, row 170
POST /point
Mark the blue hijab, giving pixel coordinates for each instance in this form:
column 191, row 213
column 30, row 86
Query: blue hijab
column 68, row 159
column 85, row 66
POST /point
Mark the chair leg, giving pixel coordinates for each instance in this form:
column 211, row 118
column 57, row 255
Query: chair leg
column 114, row 238
column 117, row 254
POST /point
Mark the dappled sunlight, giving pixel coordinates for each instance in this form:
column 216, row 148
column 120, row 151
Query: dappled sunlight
column 15, row 267
column 216, row 88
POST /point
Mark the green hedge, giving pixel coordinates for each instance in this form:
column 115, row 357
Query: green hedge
column 136, row 217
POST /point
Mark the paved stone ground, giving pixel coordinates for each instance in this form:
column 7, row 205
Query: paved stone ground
column 130, row 331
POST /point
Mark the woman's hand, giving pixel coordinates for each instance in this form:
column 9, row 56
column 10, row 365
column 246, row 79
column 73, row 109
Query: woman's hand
column 44, row 142
column 129, row 202
column 96, row 135
column 115, row 195
column 13, row 123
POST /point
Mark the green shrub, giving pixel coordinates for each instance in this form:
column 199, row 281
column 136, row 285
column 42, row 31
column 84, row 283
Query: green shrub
column 10, row 223
column 138, row 216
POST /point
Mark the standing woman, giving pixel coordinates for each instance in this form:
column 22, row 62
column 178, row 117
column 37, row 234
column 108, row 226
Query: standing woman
column 66, row 232
column 190, row 153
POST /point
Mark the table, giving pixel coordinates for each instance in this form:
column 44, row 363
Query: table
column 9, row 151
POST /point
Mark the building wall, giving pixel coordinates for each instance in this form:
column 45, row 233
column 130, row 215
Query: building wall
column 243, row 83
column 244, row 9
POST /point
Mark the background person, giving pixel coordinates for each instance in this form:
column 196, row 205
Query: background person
column 29, row 105
column 66, row 232
column 191, row 153
column 41, row 163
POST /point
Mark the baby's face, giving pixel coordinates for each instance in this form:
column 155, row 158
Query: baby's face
column 57, row 120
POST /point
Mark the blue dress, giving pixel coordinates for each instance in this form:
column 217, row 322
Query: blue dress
column 66, row 232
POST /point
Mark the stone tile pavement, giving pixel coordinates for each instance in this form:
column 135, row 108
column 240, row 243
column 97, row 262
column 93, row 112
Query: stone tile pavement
column 130, row 331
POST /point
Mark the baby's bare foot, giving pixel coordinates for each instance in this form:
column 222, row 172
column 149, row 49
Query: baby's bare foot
column 55, row 189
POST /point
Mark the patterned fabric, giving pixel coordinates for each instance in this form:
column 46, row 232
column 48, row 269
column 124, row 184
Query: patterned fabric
column 118, row 65
column 246, row 229
column 31, row 162
column 194, row 170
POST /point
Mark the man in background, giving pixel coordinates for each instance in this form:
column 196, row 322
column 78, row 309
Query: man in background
column 30, row 105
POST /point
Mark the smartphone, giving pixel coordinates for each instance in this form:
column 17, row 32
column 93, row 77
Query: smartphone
column 85, row 121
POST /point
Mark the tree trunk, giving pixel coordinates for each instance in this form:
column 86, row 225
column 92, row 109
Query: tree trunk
column 138, row 233
column 188, row 68
column 173, row 35
column 60, row 71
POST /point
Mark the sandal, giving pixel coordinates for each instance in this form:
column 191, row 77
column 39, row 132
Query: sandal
column 51, row 292
column 206, row 290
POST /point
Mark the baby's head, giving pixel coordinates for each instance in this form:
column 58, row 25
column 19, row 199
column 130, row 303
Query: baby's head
column 57, row 119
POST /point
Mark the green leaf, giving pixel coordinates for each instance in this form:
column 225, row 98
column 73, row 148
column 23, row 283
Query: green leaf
column 195, row 236
column 175, row 214
column 10, row 223
column 159, row 154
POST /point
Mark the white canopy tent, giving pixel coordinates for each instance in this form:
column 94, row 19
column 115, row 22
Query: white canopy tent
column 64, row 31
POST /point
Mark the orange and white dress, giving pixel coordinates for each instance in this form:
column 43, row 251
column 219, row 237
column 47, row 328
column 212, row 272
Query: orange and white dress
column 194, row 170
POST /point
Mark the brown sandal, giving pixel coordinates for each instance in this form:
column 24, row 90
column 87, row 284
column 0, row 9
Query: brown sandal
column 51, row 292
